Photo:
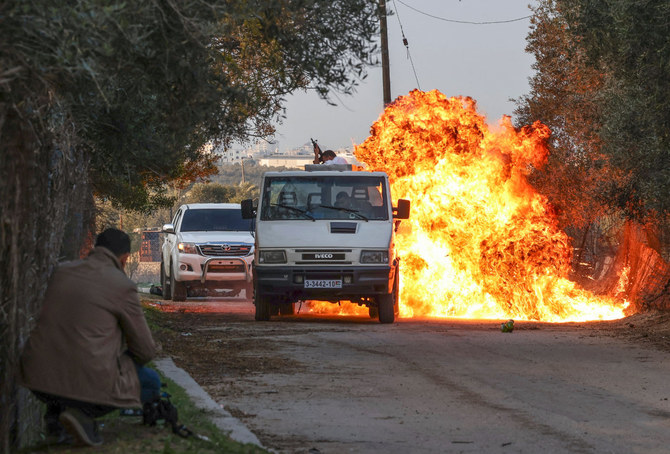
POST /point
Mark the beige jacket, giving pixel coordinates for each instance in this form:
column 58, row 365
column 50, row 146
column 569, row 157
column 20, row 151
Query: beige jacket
column 89, row 330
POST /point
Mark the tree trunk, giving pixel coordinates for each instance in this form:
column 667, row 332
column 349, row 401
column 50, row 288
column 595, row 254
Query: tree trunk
column 43, row 185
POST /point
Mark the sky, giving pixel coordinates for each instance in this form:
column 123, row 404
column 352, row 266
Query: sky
column 486, row 62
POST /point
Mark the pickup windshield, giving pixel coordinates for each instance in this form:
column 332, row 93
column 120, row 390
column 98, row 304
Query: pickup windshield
column 324, row 197
column 214, row 220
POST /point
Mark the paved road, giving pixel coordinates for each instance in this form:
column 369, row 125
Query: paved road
column 338, row 385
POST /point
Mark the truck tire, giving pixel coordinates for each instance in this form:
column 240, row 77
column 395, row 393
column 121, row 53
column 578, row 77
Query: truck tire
column 386, row 310
column 177, row 289
column 165, row 284
column 373, row 311
column 262, row 303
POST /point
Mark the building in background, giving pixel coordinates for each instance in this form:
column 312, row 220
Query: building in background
column 286, row 161
column 270, row 155
column 150, row 246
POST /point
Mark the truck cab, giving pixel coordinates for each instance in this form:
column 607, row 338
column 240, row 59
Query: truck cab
column 328, row 234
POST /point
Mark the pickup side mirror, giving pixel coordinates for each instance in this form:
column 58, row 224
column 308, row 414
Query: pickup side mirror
column 402, row 210
column 248, row 210
column 168, row 228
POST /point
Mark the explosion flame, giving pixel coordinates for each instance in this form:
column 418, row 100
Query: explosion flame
column 480, row 241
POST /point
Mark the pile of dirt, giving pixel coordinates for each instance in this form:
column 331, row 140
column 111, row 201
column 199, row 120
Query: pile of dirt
column 192, row 339
column 650, row 328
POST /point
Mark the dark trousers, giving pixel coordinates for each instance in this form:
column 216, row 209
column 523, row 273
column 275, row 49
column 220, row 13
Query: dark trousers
column 150, row 384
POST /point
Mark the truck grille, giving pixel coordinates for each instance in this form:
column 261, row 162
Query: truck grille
column 225, row 249
column 343, row 227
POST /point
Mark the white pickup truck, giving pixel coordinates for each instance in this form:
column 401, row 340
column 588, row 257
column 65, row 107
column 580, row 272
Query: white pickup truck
column 326, row 233
column 208, row 246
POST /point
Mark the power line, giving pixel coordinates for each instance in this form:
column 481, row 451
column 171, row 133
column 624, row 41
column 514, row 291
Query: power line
column 406, row 43
column 463, row 21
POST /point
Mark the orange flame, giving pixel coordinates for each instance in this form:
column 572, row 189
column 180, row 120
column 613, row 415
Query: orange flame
column 480, row 242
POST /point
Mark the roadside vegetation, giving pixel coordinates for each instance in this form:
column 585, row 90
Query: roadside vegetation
column 127, row 434
column 602, row 85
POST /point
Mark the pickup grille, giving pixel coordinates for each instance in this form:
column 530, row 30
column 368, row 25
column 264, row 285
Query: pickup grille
column 225, row 249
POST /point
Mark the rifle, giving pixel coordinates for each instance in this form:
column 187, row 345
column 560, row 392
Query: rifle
column 318, row 154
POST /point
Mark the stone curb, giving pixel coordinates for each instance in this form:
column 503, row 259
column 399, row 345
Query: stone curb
column 232, row 426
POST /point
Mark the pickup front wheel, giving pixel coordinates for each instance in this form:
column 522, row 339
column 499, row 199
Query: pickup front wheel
column 178, row 289
column 165, row 284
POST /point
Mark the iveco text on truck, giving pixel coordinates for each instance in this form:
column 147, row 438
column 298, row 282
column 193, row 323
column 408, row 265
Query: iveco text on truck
column 328, row 234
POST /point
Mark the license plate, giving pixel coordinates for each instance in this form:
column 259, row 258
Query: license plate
column 323, row 283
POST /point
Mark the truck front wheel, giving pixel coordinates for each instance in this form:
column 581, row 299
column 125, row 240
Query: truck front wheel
column 262, row 303
column 389, row 305
column 386, row 312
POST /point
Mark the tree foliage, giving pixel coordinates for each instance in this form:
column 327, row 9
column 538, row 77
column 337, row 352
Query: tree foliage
column 624, row 46
column 632, row 40
column 147, row 84
column 565, row 92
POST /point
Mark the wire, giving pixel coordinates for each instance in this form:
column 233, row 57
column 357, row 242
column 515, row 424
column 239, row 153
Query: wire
column 463, row 21
column 406, row 43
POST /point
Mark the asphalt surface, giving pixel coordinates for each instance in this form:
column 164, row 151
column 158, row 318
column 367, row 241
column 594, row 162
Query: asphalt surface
column 334, row 384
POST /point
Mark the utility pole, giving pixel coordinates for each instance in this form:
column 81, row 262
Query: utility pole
column 386, row 76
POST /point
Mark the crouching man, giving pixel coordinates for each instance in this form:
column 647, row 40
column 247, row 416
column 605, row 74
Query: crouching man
column 85, row 356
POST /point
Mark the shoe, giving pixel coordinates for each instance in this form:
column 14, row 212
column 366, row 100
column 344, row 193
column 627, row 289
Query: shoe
column 82, row 428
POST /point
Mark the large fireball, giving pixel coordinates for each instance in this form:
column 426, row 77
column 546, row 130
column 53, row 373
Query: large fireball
column 480, row 242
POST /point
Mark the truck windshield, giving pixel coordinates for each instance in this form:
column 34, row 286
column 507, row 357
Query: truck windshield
column 214, row 220
column 324, row 197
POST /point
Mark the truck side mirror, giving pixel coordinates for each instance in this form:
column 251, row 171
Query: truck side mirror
column 247, row 207
column 402, row 210
column 168, row 228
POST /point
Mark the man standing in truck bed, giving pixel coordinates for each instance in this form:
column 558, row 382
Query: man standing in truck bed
column 330, row 158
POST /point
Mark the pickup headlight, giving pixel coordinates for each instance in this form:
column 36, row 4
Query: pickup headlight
column 277, row 256
column 187, row 248
column 374, row 256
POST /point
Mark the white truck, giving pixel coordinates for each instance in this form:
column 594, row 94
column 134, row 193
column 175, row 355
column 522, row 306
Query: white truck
column 328, row 234
column 208, row 246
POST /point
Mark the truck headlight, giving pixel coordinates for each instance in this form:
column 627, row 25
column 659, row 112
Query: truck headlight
column 374, row 256
column 277, row 256
column 187, row 248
